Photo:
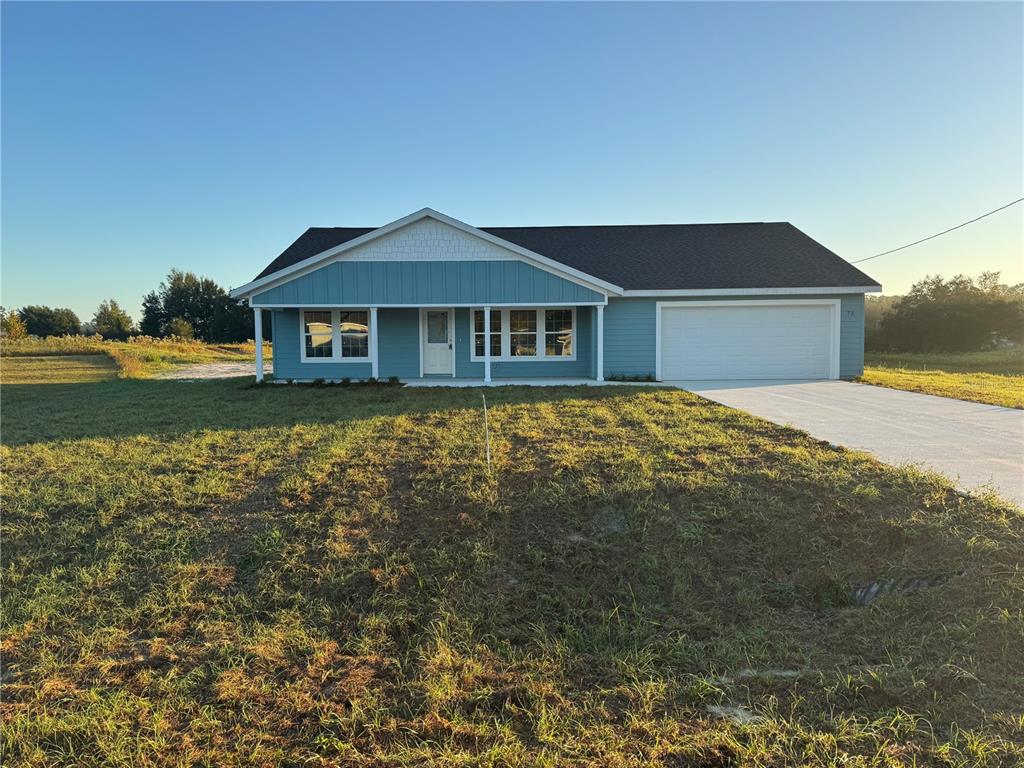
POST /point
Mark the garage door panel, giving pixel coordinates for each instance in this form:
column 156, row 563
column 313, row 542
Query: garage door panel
column 755, row 342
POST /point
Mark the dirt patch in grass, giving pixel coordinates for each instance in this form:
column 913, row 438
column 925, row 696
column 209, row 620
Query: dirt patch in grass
column 242, row 576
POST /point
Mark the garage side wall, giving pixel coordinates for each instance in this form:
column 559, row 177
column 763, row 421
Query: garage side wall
column 629, row 332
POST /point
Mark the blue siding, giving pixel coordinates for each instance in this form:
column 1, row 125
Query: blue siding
column 851, row 336
column 398, row 340
column 365, row 283
column 629, row 337
column 581, row 367
column 629, row 343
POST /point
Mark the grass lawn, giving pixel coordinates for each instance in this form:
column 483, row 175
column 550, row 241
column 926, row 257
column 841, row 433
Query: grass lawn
column 985, row 377
column 214, row 574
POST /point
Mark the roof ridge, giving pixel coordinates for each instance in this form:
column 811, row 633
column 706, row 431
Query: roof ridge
column 663, row 224
column 595, row 226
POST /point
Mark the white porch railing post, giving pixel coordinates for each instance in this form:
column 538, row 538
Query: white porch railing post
column 373, row 342
column 257, row 314
column 487, row 345
column 600, row 342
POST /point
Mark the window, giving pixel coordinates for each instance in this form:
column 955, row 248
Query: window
column 558, row 333
column 335, row 335
column 478, row 333
column 522, row 325
column 355, row 333
column 318, row 335
column 533, row 334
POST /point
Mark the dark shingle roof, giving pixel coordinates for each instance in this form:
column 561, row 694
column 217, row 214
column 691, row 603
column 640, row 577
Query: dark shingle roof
column 656, row 256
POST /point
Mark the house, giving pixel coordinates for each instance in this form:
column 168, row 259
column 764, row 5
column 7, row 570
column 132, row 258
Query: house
column 430, row 297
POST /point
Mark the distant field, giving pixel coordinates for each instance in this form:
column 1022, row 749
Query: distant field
column 215, row 573
column 65, row 370
column 138, row 358
column 1004, row 362
column 995, row 377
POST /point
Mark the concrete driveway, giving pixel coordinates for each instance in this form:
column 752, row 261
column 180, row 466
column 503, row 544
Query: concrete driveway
column 975, row 445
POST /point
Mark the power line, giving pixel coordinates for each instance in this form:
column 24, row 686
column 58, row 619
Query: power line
column 938, row 234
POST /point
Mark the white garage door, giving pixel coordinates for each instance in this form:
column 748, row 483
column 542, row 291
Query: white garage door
column 758, row 341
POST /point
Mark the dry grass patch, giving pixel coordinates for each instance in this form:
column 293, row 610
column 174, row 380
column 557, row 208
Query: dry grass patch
column 138, row 358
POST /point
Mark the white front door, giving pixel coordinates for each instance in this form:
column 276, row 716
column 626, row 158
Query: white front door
column 438, row 340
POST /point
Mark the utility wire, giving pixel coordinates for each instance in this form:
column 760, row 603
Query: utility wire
column 938, row 234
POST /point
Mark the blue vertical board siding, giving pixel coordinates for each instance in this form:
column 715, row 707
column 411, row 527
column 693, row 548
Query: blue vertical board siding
column 398, row 343
column 366, row 283
column 629, row 332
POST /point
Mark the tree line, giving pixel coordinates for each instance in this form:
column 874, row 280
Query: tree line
column 184, row 305
column 959, row 314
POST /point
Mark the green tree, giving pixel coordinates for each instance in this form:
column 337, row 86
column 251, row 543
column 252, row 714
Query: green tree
column 45, row 321
column 960, row 314
column 209, row 311
column 11, row 325
column 179, row 326
column 153, row 322
column 112, row 322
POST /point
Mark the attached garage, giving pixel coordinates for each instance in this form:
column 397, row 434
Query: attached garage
column 716, row 340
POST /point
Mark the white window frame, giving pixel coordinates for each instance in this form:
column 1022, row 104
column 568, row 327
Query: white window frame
column 506, row 342
column 335, row 336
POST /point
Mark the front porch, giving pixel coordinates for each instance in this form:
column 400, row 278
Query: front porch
column 438, row 346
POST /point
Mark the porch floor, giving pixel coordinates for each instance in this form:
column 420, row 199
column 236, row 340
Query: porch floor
column 538, row 382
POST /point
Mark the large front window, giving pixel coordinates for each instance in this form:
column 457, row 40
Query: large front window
column 335, row 335
column 318, row 334
column 522, row 325
column 532, row 334
column 355, row 333
column 558, row 332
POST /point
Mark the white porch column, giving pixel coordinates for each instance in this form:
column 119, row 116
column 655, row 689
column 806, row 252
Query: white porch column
column 600, row 342
column 373, row 342
column 487, row 345
column 257, row 314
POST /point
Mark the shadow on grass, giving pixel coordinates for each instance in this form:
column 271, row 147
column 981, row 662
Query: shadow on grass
column 33, row 413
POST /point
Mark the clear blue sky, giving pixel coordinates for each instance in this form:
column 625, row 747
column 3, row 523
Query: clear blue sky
column 207, row 137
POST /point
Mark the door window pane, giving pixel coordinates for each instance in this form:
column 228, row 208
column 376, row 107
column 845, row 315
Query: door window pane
column 437, row 327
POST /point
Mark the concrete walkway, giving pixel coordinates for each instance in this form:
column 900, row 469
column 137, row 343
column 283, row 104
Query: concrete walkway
column 975, row 445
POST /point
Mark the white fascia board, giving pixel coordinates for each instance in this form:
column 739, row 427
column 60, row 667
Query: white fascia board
column 317, row 260
column 753, row 291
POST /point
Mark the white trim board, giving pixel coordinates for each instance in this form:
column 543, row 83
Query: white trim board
column 834, row 321
column 652, row 293
column 337, row 252
column 464, row 305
